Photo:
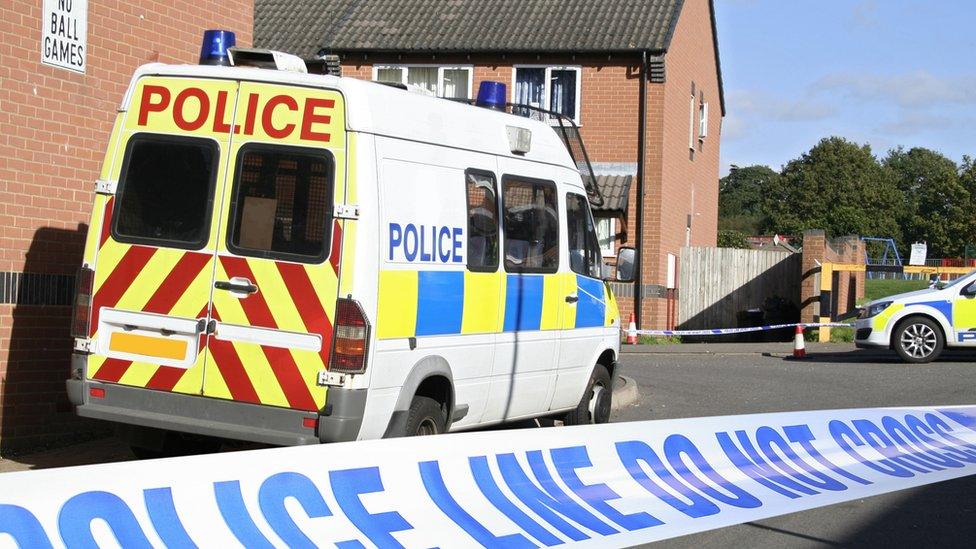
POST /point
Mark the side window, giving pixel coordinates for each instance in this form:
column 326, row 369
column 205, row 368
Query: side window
column 584, row 249
column 531, row 225
column 282, row 203
column 482, row 197
column 166, row 191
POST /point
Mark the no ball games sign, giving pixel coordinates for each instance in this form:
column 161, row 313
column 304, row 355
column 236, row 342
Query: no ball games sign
column 64, row 34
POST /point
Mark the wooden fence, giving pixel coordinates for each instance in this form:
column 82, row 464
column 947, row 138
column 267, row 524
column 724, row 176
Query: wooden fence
column 718, row 284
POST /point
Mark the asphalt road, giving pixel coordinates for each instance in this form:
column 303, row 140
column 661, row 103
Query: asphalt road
column 676, row 385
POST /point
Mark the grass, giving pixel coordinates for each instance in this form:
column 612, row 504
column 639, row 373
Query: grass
column 658, row 340
column 876, row 288
column 837, row 335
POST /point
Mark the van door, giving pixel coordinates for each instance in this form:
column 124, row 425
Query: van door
column 523, row 372
column 584, row 309
column 156, row 244
column 276, row 276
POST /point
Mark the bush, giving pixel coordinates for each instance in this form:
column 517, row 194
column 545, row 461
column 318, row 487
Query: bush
column 732, row 239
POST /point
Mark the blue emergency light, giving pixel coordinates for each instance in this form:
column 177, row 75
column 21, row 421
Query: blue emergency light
column 215, row 45
column 491, row 95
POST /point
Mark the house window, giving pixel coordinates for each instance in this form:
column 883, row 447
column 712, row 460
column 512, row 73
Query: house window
column 702, row 120
column 606, row 234
column 552, row 88
column 691, row 122
column 452, row 82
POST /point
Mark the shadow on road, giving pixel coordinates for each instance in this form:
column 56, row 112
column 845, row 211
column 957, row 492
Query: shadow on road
column 880, row 356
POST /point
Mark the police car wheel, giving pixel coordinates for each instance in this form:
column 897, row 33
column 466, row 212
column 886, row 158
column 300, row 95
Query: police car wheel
column 918, row 340
column 595, row 404
column 426, row 417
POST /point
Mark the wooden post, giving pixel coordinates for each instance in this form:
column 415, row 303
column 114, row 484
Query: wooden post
column 826, row 291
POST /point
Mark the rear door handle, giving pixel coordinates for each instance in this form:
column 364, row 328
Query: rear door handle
column 572, row 298
column 237, row 285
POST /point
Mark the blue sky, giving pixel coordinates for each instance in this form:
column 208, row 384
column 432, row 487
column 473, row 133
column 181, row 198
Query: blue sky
column 883, row 72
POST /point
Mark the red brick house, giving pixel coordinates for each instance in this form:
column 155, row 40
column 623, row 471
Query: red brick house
column 582, row 58
column 58, row 98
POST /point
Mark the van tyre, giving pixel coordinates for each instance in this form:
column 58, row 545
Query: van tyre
column 426, row 417
column 918, row 340
column 596, row 402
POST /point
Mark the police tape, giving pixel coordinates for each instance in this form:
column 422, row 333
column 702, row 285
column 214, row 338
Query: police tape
column 609, row 485
column 726, row 331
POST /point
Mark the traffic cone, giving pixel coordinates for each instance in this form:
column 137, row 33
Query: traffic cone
column 632, row 331
column 799, row 350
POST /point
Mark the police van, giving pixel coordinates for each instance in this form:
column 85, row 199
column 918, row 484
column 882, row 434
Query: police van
column 295, row 258
column 920, row 325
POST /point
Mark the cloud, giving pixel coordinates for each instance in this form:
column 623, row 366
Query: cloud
column 762, row 105
column 916, row 122
column 919, row 89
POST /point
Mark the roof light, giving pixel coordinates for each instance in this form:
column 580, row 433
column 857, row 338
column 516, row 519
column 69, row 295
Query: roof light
column 491, row 95
column 215, row 45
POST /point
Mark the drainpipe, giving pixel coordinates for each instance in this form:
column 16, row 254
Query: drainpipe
column 641, row 138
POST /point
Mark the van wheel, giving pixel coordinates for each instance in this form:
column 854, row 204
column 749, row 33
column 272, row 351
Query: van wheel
column 918, row 340
column 595, row 405
column 426, row 417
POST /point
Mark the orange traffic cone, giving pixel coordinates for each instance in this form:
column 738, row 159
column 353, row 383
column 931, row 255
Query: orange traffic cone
column 632, row 331
column 799, row 350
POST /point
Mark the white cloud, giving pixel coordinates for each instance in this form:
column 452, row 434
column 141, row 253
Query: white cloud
column 864, row 14
column 762, row 105
column 915, row 90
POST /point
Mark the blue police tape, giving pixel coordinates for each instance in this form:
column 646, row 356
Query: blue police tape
column 726, row 331
column 608, row 485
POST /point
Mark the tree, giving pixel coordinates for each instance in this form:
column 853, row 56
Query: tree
column 732, row 239
column 837, row 186
column 740, row 198
column 936, row 202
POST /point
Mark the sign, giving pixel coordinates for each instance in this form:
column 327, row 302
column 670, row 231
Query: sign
column 919, row 251
column 617, row 485
column 64, row 34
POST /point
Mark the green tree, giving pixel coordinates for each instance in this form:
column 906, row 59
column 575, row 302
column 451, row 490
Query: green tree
column 740, row 198
column 837, row 186
column 936, row 203
column 732, row 239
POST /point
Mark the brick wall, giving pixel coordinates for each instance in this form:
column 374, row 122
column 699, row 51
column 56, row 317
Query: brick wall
column 54, row 127
column 848, row 287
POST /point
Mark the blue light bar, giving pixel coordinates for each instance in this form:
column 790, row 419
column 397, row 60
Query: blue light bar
column 491, row 95
column 215, row 44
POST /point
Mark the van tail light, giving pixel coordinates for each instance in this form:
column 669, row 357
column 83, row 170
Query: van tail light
column 350, row 343
column 81, row 311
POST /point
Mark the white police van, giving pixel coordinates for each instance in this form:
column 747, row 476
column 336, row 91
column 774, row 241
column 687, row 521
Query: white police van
column 920, row 325
column 289, row 258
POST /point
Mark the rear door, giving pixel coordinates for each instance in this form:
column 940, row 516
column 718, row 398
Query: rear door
column 276, row 274
column 157, row 235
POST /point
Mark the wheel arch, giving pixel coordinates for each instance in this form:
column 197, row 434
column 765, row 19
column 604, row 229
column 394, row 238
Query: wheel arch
column 916, row 313
column 431, row 376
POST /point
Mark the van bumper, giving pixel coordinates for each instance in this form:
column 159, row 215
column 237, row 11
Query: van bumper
column 339, row 421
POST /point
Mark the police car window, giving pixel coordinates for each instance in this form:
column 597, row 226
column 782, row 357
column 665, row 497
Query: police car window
column 584, row 247
column 531, row 225
column 282, row 203
column 166, row 191
column 482, row 197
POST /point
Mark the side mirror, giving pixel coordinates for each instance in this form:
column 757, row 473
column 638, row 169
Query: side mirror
column 626, row 260
column 969, row 290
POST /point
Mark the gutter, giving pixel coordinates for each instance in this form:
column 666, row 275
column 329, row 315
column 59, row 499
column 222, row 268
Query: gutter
column 639, row 223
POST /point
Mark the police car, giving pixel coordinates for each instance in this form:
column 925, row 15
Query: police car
column 919, row 325
column 290, row 258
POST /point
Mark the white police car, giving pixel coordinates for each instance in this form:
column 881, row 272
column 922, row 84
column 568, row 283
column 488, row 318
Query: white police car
column 919, row 325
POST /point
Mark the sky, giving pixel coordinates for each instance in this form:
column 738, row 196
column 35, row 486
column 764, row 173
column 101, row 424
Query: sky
column 881, row 72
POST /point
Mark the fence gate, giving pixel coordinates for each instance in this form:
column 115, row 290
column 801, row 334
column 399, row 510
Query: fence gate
column 717, row 284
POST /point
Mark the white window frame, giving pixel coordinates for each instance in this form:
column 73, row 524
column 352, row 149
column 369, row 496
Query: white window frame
column 611, row 251
column 548, row 90
column 692, row 109
column 702, row 120
column 440, row 73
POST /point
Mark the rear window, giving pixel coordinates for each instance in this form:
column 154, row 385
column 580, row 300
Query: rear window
column 165, row 191
column 282, row 205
